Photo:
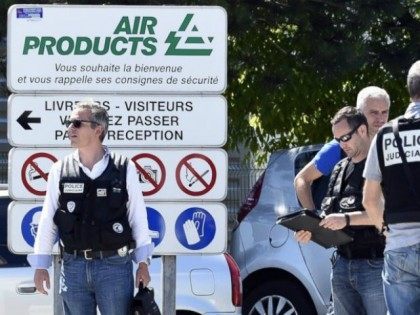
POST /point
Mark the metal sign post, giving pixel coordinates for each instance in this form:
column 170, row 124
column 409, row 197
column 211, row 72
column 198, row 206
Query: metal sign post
column 168, row 285
column 58, row 303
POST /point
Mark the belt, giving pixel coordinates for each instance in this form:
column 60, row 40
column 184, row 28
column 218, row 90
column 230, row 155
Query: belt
column 90, row 254
column 360, row 254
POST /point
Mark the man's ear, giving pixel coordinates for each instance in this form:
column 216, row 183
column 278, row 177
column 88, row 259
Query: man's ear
column 99, row 130
column 363, row 130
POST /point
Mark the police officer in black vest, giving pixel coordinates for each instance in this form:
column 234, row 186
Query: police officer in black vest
column 95, row 206
column 356, row 274
column 393, row 169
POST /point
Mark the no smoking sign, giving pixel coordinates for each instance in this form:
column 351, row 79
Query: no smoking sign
column 196, row 174
column 35, row 171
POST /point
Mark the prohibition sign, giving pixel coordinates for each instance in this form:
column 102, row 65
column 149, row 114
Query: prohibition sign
column 198, row 177
column 30, row 162
column 146, row 174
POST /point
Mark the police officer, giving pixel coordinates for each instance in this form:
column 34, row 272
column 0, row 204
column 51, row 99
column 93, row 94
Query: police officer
column 393, row 169
column 94, row 204
column 374, row 103
column 356, row 275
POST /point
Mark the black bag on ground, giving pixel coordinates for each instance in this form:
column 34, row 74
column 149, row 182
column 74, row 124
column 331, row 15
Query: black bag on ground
column 144, row 303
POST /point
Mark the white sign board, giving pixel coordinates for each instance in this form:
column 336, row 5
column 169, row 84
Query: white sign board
column 175, row 228
column 172, row 49
column 164, row 174
column 39, row 120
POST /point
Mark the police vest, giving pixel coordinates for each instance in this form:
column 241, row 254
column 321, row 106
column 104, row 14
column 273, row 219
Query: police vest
column 401, row 195
column 344, row 194
column 92, row 214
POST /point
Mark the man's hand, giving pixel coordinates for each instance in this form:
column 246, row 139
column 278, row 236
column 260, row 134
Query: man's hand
column 334, row 221
column 142, row 275
column 303, row 236
column 303, row 182
column 41, row 276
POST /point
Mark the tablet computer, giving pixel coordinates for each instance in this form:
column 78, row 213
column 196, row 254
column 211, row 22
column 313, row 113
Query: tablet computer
column 309, row 221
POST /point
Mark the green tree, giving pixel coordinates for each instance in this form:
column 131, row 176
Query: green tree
column 297, row 62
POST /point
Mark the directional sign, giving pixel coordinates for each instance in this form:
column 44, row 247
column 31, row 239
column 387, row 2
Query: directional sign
column 24, row 120
column 175, row 228
column 160, row 49
column 39, row 120
column 164, row 174
column 23, row 220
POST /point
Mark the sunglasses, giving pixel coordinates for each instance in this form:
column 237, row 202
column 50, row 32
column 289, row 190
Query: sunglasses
column 347, row 136
column 77, row 123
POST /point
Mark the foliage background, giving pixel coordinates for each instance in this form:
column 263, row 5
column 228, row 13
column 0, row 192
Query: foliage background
column 293, row 63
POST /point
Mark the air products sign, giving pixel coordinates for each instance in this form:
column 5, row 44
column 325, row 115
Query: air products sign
column 136, row 49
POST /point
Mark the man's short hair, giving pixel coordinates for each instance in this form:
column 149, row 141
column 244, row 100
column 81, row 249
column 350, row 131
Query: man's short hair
column 371, row 92
column 98, row 114
column 413, row 81
column 352, row 115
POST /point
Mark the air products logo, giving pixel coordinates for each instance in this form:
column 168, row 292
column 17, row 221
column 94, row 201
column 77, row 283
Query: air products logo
column 131, row 36
column 181, row 44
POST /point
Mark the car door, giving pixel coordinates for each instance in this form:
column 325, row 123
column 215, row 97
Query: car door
column 17, row 290
column 317, row 258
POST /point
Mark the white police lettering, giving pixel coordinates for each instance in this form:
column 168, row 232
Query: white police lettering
column 71, row 205
column 73, row 188
column 411, row 146
column 101, row 192
column 118, row 228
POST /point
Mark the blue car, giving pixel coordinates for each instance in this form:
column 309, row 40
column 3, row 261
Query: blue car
column 280, row 276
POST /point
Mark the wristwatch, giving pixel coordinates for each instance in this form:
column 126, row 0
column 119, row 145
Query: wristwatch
column 147, row 261
column 347, row 217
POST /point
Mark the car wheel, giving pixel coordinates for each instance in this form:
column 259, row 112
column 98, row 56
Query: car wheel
column 277, row 297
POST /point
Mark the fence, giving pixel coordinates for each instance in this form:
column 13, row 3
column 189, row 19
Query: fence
column 241, row 178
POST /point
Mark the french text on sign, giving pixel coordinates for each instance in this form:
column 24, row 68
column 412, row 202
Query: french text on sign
column 39, row 120
column 172, row 49
column 164, row 174
column 175, row 227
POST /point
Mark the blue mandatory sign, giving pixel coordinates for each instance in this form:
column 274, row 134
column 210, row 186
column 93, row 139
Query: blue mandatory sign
column 29, row 226
column 195, row 228
column 156, row 225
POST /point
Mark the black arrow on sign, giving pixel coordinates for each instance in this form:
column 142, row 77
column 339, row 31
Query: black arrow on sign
column 24, row 120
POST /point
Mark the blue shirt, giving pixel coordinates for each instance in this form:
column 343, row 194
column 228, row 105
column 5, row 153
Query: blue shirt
column 327, row 157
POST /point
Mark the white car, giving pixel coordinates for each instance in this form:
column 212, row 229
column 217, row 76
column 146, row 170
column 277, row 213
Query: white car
column 205, row 284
